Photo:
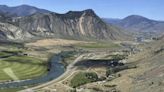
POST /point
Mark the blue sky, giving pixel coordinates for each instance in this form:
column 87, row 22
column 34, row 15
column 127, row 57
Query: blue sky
column 104, row 8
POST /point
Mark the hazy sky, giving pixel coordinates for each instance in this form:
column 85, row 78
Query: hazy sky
column 104, row 8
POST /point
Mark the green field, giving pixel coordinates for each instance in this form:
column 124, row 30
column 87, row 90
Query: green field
column 98, row 45
column 3, row 54
column 23, row 67
column 11, row 90
column 83, row 78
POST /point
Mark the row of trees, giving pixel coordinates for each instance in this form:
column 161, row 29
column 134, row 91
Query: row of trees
column 112, row 70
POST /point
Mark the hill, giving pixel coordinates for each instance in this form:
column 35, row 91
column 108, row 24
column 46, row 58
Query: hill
column 138, row 23
column 148, row 76
column 81, row 25
column 22, row 10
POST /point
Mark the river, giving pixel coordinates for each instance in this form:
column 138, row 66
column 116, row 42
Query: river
column 56, row 69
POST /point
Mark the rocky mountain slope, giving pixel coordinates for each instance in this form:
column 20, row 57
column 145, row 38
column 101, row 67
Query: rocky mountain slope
column 138, row 24
column 84, row 24
column 72, row 25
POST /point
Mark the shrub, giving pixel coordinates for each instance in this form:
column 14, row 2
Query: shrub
column 109, row 71
column 110, row 85
column 116, row 69
column 118, row 57
column 83, row 78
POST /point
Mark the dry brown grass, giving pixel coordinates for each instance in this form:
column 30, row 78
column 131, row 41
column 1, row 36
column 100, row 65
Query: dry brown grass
column 54, row 42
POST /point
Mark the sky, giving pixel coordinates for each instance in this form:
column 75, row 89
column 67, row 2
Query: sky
column 152, row 9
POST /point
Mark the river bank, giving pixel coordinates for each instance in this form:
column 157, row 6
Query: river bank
column 56, row 69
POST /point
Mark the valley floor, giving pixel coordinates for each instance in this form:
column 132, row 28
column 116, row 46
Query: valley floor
column 145, row 73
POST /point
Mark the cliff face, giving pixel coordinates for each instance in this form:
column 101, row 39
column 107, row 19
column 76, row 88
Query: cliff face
column 73, row 25
column 11, row 32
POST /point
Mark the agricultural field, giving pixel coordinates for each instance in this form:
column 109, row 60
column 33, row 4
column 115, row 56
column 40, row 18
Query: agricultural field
column 11, row 90
column 20, row 67
column 98, row 45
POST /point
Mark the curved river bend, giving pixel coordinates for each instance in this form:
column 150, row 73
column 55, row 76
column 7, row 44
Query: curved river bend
column 56, row 69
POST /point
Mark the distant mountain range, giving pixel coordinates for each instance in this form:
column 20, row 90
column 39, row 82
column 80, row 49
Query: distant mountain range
column 137, row 23
column 27, row 22
column 134, row 23
column 22, row 10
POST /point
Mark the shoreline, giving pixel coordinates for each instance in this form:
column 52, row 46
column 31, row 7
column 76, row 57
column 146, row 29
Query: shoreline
column 68, row 71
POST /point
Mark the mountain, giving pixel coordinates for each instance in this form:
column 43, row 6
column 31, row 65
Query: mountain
column 22, row 10
column 71, row 25
column 139, row 24
column 9, row 31
column 111, row 20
